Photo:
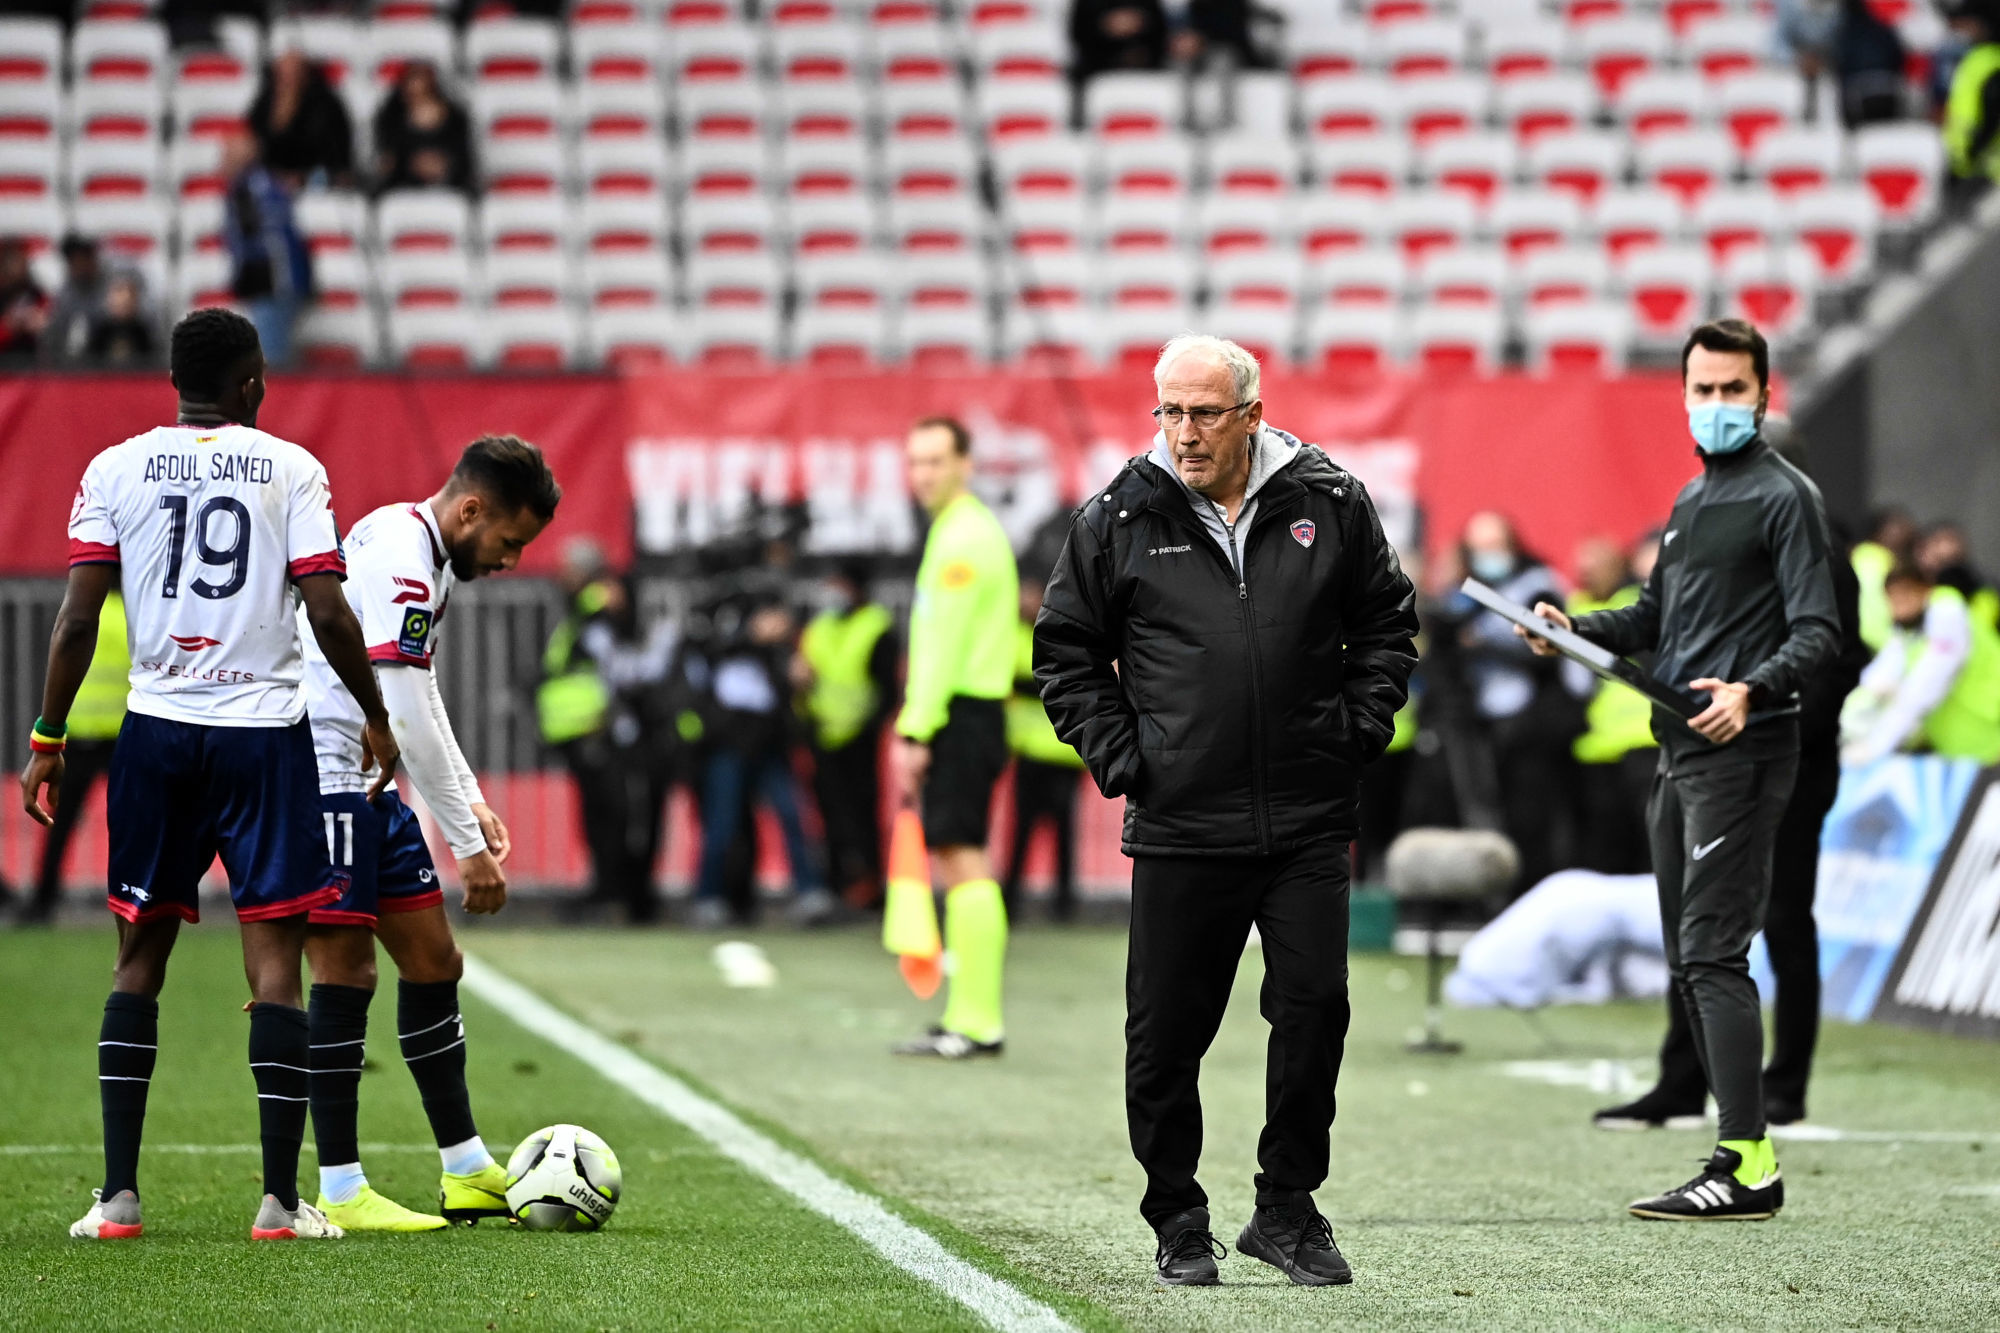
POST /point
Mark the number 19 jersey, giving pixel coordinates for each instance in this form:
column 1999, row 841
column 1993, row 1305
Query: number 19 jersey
column 209, row 526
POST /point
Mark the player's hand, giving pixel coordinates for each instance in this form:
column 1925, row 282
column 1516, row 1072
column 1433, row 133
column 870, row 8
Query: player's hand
column 1728, row 710
column 484, row 884
column 43, row 770
column 1538, row 645
column 913, row 761
column 498, row 840
column 378, row 746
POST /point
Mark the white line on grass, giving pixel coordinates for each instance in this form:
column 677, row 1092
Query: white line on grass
column 191, row 1149
column 998, row 1303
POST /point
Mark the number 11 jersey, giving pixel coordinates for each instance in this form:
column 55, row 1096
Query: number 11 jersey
column 210, row 526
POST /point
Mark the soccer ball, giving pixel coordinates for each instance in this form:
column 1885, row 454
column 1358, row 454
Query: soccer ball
column 563, row 1178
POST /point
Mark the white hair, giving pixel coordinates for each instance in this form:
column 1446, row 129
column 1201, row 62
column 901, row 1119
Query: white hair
column 1236, row 359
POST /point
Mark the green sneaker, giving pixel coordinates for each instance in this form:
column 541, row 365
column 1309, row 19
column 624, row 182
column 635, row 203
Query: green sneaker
column 369, row 1211
column 477, row 1194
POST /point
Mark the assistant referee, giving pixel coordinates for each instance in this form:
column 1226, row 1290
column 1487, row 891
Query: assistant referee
column 1740, row 608
column 952, row 732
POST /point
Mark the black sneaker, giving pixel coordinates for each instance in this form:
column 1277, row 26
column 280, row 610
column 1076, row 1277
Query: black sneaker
column 1651, row 1111
column 1716, row 1195
column 941, row 1044
column 1297, row 1242
column 1188, row 1251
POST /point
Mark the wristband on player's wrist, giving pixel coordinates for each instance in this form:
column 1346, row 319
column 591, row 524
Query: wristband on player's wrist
column 44, row 739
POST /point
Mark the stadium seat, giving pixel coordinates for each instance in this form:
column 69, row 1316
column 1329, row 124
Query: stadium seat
column 715, row 53
column 914, row 53
column 516, row 48
column 135, row 228
column 1359, row 105
column 1727, row 45
column 341, row 278
column 1582, row 163
column 919, row 110
column 118, row 50
column 833, row 110
column 31, row 50
column 525, row 166
column 1374, row 163
column 1754, row 104
column 333, row 338
column 736, row 111
column 952, row 223
column 428, row 338
column 1056, row 165
column 617, row 53
column 1772, row 286
column 726, row 169
column 38, row 220
column 530, row 278
column 733, row 337
column 1353, row 339
column 1902, row 164
column 194, row 167
column 816, row 52
column 1135, row 223
column 1132, row 335
column 617, row 281
column 1425, row 109
column 1463, row 275
column 1016, row 108
column 734, row 279
column 1328, row 47
column 116, row 109
column 1736, row 217
column 728, row 225
column 1523, row 48
column 1561, row 275
column 1690, row 163
column 392, row 45
column 1329, row 222
column 1261, row 103
column 1421, row 48
column 202, row 278
column 832, row 223
column 1421, row 221
column 524, row 222
column 619, row 109
column 1658, row 99
column 331, row 220
column 28, row 169
column 936, row 337
column 636, row 165
column 424, row 278
column 1134, row 103
column 1836, row 227
column 1795, row 159
column 1456, row 339
column 1629, row 219
column 1228, row 223
column 632, row 338
column 943, row 279
column 1667, row 289
column 1681, row 15
column 930, row 166
column 817, row 167
column 1526, row 220
column 1042, row 224
column 1253, row 164
column 30, row 110
column 1160, row 167
column 211, row 108
column 1050, row 337
column 1614, row 50
column 1534, row 105
column 1029, row 50
column 681, row 15
column 1594, row 337
column 1048, row 278
column 1271, row 335
column 623, row 223
column 1479, row 164
column 1363, row 275
column 422, row 220
column 842, row 337
column 843, row 281
column 124, row 168
column 1271, row 278
column 1157, row 280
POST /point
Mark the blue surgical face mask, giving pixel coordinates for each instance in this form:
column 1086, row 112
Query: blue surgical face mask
column 1492, row 566
column 1722, row 428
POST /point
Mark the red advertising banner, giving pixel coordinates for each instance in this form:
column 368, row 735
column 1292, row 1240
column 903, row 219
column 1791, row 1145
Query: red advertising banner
column 670, row 460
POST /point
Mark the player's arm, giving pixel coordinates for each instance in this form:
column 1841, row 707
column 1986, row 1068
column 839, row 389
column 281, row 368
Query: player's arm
column 938, row 636
column 1627, row 630
column 339, row 636
column 70, row 648
column 498, row 840
column 428, row 752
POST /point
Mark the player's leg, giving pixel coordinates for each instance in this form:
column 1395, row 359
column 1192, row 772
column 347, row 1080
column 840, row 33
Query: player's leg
column 432, row 1032
column 127, row 1044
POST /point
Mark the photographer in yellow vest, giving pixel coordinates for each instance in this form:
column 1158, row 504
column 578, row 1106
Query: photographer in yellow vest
column 846, row 676
column 1616, row 753
column 1935, row 685
column 94, row 720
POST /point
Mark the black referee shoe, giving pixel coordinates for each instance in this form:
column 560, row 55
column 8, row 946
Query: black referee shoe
column 1298, row 1242
column 1716, row 1195
column 1188, row 1251
column 1651, row 1111
column 943, row 1044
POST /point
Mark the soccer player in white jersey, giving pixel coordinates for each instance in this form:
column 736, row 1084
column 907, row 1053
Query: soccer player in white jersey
column 219, row 531
column 402, row 561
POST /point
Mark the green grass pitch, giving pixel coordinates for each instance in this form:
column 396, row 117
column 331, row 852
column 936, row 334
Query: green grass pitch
column 1466, row 1196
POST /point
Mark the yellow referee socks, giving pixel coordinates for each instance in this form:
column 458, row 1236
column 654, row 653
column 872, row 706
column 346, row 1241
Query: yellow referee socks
column 1760, row 1160
column 975, row 939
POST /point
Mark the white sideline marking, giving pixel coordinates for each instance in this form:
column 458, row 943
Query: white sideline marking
column 1632, row 1076
column 998, row 1303
column 191, row 1149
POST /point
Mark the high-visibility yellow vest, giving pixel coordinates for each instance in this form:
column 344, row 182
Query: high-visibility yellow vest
column 571, row 701
column 1967, row 724
column 1030, row 734
column 1405, row 734
column 843, row 696
column 1619, row 719
column 1872, row 562
column 1962, row 108
column 99, row 710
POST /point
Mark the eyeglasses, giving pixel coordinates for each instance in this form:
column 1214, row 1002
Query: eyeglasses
column 1204, row 418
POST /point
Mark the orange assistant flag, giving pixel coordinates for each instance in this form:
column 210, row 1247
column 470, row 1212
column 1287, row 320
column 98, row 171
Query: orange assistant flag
column 909, row 917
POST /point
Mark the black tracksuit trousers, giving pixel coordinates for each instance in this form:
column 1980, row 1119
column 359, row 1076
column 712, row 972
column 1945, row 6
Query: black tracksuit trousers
column 1190, row 918
column 1792, row 938
column 1713, row 819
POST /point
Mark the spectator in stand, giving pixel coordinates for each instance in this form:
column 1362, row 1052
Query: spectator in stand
column 24, row 306
column 1208, row 32
column 77, row 302
column 1806, row 31
column 1870, row 64
column 271, row 268
column 1935, row 686
column 1891, row 541
column 1972, row 106
column 423, row 139
column 1117, row 34
column 121, row 334
column 1943, row 555
column 303, row 131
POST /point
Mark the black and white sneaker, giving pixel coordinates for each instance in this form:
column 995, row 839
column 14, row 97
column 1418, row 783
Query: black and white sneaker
column 941, row 1044
column 1651, row 1111
column 1188, row 1251
column 1716, row 1195
column 1298, row 1242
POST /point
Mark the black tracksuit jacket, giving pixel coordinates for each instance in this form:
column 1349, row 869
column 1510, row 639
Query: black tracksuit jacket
column 1743, row 591
column 1238, row 713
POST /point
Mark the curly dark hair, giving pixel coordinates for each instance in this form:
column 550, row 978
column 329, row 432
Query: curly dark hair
column 209, row 345
column 509, row 471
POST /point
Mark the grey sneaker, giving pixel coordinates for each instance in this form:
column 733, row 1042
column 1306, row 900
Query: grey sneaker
column 115, row 1218
column 1188, row 1251
column 1299, row 1243
column 305, row 1222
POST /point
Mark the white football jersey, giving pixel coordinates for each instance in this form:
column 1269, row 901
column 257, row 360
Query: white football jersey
column 398, row 580
column 209, row 526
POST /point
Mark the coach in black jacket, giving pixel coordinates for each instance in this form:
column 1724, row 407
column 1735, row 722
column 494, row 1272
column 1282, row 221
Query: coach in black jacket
column 1226, row 639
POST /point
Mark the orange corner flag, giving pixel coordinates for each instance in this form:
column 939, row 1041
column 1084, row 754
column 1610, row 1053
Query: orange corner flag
column 909, row 917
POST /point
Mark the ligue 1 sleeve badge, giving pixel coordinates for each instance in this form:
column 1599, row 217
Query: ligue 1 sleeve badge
column 1302, row 532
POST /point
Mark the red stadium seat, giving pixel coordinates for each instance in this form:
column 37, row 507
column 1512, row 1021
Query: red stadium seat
column 1374, row 275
